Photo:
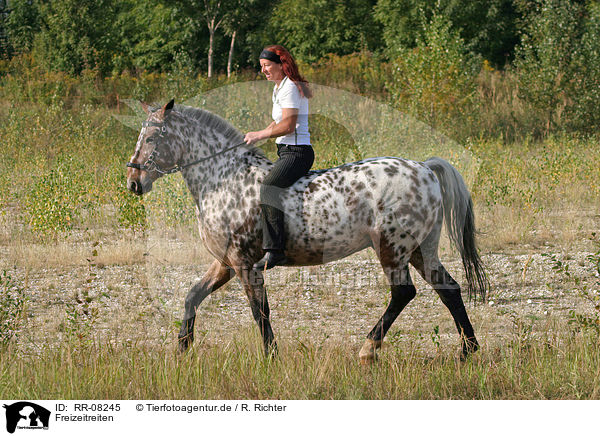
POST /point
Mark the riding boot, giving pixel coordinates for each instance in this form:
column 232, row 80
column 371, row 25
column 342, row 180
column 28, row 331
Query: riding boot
column 270, row 259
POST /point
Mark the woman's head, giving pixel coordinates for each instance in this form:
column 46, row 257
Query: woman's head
column 276, row 63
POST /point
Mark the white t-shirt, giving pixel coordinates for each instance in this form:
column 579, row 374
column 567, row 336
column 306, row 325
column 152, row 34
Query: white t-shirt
column 287, row 96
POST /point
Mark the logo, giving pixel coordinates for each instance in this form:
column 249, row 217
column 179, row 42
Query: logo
column 26, row 415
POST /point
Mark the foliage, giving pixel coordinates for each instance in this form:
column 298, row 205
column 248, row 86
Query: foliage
column 56, row 199
column 312, row 29
column 489, row 28
column 435, row 81
column 76, row 35
column 148, row 35
column 583, row 113
column 12, row 301
column 363, row 73
column 21, row 25
column 558, row 65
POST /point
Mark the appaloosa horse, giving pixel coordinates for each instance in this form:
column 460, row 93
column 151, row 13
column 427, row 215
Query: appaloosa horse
column 396, row 206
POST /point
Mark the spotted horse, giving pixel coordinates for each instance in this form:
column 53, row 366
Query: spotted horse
column 396, row 206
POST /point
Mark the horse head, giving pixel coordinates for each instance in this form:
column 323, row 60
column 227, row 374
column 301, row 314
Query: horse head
column 154, row 154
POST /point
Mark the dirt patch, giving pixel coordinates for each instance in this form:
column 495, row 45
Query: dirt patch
column 142, row 301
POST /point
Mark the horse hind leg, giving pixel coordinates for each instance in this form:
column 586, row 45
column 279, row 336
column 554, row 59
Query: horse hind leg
column 427, row 263
column 393, row 259
column 217, row 275
column 402, row 292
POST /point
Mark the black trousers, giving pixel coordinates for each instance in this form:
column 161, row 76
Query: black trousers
column 294, row 162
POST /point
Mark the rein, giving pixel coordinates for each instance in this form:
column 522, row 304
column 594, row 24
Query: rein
column 151, row 165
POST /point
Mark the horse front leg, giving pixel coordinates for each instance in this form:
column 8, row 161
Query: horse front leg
column 253, row 282
column 217, row 275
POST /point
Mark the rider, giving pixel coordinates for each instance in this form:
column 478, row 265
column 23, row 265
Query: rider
column 296, row 155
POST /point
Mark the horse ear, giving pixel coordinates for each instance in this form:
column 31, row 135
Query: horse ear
column 145, row 107
column 164, row 111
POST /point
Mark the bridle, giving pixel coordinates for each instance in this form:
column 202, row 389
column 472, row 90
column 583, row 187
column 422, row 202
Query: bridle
column 151, row 165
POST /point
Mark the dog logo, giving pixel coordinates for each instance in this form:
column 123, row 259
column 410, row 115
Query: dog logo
column 26, row 415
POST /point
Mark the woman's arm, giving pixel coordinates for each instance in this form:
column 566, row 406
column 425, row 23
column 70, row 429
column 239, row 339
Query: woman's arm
column 286, row 126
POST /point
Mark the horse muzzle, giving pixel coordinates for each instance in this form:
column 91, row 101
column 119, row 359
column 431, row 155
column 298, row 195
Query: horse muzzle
column 138, row 186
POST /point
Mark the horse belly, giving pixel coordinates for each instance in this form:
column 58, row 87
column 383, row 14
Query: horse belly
column 320, row 233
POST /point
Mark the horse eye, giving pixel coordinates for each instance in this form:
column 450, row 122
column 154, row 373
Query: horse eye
column 149, row 140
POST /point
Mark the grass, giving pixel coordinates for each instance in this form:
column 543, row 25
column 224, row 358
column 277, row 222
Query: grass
column 546, row 368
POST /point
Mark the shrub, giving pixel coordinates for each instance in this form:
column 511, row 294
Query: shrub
column 436, row 80
column 558, row 66
column 57, row 198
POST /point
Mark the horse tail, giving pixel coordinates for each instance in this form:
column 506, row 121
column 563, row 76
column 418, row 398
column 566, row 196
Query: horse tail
column 460, row 223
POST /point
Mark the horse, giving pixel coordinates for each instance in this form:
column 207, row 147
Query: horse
column 393, row 205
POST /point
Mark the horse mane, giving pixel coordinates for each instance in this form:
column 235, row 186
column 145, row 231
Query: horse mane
column 232, row 135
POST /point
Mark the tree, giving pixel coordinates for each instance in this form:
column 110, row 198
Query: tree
column 150, row 33
column 3, row 37
column 76, row 34
column 243, row 16
column 213, row 14
column 435, row 81
column 21, row 22
column 312, row 28
column 488, row 27
column 545, row 59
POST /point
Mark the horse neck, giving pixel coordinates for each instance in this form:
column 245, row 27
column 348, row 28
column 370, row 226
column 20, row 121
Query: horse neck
column 218, row 167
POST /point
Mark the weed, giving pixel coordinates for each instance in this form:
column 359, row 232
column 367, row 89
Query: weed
column 12, row 301
column 81, row 313
column 583, row 321
column 435, row 337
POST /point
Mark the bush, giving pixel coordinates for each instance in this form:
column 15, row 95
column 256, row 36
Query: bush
column 57, row 198
column 584, row 114
column 558, row 66
column 436, row 80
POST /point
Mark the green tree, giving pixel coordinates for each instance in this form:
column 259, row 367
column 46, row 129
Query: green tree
column 213, row 14
column 435, row 80
column 150, row 34
column 545, row 59
column 244, row 16
column 76, row 34
column 488, row 27
column 21, row 22
column 584, row 112
column 312, row 28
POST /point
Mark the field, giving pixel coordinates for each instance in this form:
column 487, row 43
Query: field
column 95, row 279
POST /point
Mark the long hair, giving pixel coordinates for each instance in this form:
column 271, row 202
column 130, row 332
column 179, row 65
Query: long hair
column 290, row 69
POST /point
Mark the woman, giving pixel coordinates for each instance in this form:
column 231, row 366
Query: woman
column 296, row 155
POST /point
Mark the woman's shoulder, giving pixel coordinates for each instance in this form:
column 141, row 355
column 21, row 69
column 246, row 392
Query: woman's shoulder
column 288, row 83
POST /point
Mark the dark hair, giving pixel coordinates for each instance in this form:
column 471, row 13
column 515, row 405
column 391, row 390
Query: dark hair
column 290, row 69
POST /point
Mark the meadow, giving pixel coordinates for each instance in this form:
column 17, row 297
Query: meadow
column 94, row 278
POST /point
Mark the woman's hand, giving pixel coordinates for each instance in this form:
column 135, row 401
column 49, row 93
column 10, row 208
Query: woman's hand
column 252, row 137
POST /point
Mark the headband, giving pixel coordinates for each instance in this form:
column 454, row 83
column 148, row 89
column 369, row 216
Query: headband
column 269, row 55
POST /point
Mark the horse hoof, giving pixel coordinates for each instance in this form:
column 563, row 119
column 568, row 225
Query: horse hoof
column 469, row 347
column 367, row 353
column 367, row 360
column 185, row 343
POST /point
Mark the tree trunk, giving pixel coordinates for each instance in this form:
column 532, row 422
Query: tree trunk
column 230, row 58
column 210, row 50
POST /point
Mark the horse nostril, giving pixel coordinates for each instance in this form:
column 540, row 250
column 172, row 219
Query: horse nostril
column 134, row 187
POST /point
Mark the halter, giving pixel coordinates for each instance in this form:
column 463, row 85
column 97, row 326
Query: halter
column 151, row 165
